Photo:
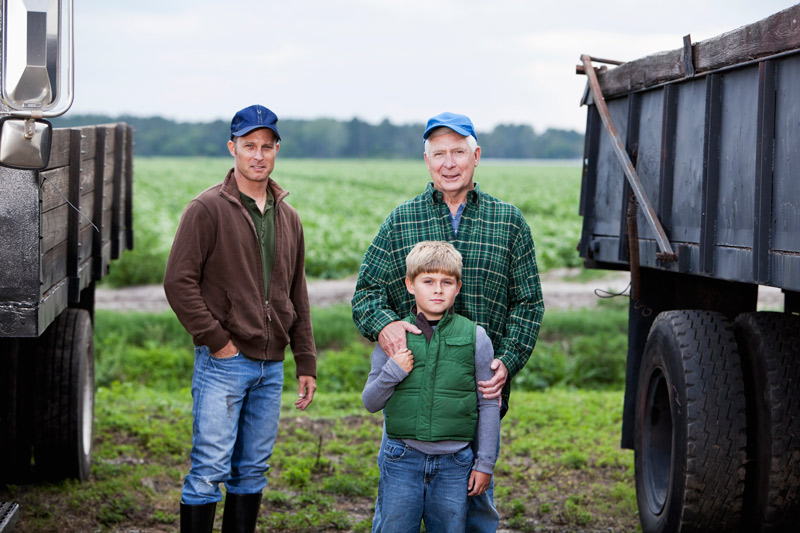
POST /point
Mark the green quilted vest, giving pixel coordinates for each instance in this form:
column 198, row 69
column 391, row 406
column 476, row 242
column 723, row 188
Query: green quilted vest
column 437, row 401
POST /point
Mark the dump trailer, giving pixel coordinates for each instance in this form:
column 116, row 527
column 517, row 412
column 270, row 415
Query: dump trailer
column 65, row 214
column 691, row 181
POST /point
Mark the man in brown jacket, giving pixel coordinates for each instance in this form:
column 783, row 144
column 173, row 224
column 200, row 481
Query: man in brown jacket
column 236, row 280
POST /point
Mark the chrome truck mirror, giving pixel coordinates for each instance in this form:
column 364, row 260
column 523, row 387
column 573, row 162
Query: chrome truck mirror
column 36, row 79
column 25, row 143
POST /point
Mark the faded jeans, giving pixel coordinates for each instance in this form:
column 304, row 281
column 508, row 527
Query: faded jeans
column 482, row 515
column 236, row 405
column 415, row 486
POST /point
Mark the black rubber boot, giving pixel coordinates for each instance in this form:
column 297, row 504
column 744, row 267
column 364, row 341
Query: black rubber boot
column 241, row 513
column 197, row 518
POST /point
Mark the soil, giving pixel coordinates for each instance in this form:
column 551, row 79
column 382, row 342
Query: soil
column 558, row 288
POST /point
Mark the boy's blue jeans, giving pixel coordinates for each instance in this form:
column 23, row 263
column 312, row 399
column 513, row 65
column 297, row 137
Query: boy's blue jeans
column 415, row 486
column 236, row 404
column 482, row 515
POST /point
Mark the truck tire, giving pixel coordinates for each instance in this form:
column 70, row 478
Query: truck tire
column 64, row 406
column 16, row 431
column 690, row 430
column 770, row 348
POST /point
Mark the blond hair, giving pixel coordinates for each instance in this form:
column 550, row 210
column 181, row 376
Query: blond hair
column 433, row 256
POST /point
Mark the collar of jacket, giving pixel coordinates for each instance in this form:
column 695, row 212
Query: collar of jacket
column 423, row 324
column 230, row 190
column 435, row 196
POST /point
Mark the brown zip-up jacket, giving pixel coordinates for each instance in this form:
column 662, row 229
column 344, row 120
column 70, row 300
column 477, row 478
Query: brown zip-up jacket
column 215, row 285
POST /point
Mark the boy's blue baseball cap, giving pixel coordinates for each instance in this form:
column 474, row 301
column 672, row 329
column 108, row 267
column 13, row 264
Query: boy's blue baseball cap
column 460, row 124
column 252, row 118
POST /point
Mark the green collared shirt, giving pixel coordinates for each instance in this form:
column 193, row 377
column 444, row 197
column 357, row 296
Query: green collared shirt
column 500, row 280
column 265, row 229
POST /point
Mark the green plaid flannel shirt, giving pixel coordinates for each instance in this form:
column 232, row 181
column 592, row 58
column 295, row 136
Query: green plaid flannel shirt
column 500, row 281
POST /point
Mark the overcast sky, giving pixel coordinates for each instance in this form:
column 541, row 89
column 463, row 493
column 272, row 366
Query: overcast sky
column 500, row 61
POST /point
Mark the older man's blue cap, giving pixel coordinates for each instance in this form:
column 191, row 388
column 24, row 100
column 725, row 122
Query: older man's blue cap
column 252, row 118
column 460, row 124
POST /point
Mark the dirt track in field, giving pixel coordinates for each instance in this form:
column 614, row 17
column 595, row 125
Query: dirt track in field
column 559, row 293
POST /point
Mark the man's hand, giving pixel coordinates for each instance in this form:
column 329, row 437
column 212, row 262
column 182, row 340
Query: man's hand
column 229, row 350
column 405, row 359
column 478, row 483
column 492, row 388
column 307, row 387
column 392, row 338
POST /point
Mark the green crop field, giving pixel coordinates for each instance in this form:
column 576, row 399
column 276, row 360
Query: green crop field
column 342, row 203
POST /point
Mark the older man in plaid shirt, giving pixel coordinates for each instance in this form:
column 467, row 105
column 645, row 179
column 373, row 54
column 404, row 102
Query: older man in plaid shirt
column 501, row 289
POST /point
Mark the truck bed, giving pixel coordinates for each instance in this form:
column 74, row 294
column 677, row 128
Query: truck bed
column 713, row 131
column 61, row 227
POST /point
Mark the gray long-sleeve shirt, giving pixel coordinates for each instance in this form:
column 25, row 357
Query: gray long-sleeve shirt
column 386, row 374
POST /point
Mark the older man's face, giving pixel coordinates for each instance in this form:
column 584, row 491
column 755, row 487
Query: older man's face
column 452, row 164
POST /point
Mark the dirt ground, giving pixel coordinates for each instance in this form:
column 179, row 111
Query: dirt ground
column 559, row 291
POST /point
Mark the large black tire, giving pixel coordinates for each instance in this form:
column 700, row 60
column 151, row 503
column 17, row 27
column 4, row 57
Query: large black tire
column 64, row 406
column 690, row 430
column 770, row 347
column 16, row 431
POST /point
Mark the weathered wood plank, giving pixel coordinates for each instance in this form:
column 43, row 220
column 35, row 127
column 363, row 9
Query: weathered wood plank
column 54, row 266
column 775, row 34
column 54, row 227
column 50, row 183
column 59, row 149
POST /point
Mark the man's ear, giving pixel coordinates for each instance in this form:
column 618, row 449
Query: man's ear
column 409, row 286
column 458, row 287
column 232, row 148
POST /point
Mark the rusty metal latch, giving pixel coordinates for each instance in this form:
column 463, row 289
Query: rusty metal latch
column 666, row 253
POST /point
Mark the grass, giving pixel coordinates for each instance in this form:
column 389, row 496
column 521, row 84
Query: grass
column 342, row 203
column 560, row 467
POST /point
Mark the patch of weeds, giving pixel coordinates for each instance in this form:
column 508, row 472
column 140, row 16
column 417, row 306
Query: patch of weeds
column 365, row 526
column 297, row 476
column 574, row 510
column 517, row 507
column 276, row 497
column 351, row 485
column 336, row 519
column 521, row 523
column 117, row 510
column 164, row 517
column 574, row 459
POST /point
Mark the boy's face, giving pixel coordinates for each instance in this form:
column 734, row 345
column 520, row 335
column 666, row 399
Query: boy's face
column 434, row 293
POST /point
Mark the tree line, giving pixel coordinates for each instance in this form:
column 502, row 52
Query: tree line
column 330, row 138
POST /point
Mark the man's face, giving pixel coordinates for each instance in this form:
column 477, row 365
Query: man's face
column 254, row 154
column 434, row 293
column 452, row 163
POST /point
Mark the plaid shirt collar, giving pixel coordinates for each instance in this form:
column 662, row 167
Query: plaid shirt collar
column 435, row 196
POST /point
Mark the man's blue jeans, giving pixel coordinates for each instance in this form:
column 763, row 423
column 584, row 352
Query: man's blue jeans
column 415, row 486
column 236, row 405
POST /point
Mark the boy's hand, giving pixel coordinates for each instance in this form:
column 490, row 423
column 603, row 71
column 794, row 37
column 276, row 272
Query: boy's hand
column 405, row 359
column 478, row 483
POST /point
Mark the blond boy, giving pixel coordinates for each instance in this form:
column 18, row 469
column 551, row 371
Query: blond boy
column 442, row 434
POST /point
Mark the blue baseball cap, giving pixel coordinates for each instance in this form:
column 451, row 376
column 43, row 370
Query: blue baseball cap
column 252, row 118
column 460, row 124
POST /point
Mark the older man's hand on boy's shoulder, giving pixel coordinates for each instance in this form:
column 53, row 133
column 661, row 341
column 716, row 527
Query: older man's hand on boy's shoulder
column 478, row 483
column 405, row 359
column 392, row 338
